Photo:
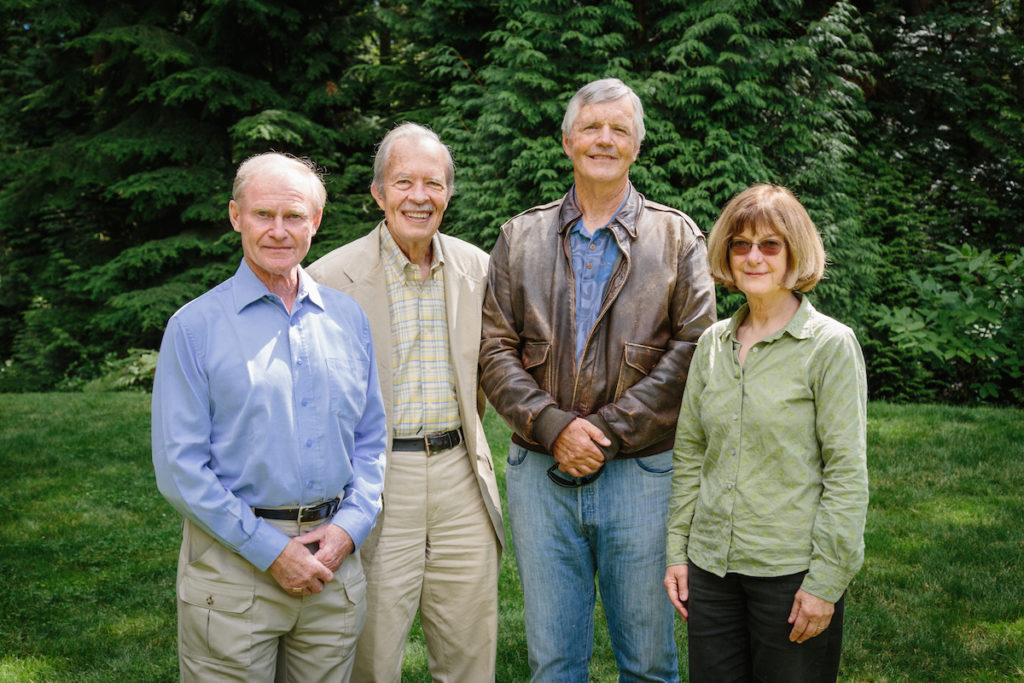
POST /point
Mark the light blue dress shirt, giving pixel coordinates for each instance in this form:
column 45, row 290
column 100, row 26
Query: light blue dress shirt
column 256, row 407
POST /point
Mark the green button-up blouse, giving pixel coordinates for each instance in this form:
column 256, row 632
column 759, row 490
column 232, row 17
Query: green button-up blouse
column 770, row 469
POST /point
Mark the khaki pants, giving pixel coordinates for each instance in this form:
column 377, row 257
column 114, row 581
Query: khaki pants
column 232, row 618
column 436, row 551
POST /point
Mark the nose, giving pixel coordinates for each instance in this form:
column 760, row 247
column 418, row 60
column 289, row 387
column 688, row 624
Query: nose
column 277, row 230
column 605, row 135
column 755, row 255
column 418, row 192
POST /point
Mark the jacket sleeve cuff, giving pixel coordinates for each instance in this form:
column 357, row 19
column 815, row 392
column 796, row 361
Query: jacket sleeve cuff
column 549, row 424
column 609, row 451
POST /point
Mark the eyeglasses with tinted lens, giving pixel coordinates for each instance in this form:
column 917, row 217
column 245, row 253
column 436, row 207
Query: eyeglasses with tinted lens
column 769, row 247
column 573, row 482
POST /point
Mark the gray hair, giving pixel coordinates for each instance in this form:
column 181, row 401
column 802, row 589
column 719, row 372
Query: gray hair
column 605, row 90
column 413, row 130
column 254, row 165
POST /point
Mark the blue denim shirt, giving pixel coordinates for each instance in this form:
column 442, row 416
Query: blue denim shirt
column 593, row 258
column 254, row 406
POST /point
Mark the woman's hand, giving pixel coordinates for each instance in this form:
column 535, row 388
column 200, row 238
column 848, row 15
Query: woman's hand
column 678, row 590
column 810, row 615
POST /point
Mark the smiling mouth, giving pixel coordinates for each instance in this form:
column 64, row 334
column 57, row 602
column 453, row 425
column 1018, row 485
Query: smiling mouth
column 417, row 215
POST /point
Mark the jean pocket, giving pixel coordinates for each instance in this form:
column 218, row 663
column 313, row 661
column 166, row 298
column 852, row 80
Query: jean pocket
column 516, row 455
column 657, row 464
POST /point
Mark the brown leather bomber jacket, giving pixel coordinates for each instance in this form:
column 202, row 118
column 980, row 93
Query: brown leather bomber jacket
column 629, row 382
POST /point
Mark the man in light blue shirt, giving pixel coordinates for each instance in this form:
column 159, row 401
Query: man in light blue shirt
column 269, row 438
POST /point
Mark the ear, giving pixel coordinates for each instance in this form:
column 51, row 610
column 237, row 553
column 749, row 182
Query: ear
column 565, row 146
column 316, row 220
column 234, row 213
column 377, row 195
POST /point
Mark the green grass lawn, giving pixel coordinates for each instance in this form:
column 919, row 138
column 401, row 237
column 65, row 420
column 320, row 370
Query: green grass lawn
column 89, row 549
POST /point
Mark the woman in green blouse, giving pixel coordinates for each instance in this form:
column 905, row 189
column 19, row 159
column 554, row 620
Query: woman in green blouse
column 770, row 486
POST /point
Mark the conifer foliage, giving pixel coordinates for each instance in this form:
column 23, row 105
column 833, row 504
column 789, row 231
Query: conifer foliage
column 897, row 122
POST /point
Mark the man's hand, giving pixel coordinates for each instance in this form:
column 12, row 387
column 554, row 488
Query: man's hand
column 298, row 571
column 676, row 583
column 810, row 616
column 335, row 544
column 576, row 449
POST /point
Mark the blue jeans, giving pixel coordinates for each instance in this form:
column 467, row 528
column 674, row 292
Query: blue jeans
column 614, row 528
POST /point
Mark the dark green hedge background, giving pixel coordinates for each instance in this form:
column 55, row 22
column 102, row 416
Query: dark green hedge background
column 897, row 122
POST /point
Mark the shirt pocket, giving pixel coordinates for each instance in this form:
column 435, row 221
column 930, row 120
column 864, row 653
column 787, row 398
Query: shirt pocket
column 637, row 362
column 536, row 361
column 347, row 378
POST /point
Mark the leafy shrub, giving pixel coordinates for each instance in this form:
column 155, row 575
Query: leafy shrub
column 970, row 324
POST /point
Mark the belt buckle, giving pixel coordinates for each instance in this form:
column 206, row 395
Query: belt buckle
column 437, row 435
column 301, row 519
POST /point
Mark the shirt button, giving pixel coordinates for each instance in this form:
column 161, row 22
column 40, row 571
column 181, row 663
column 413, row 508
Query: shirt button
column 309, row 442
column 309, row 484
column 729, row 486
column 734, row 415
column 732, row 451
column 589, row 266
column 305, row 402
column 298, row 362
column 593, row 247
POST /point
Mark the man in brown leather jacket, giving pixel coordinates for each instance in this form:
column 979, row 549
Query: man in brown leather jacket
column 594, row 307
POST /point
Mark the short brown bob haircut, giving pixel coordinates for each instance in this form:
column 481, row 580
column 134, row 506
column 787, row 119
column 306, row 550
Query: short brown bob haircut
column 769, row 210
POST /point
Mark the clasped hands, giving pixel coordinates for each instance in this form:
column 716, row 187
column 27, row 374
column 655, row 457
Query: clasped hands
column 300, row 572
column 576, row 450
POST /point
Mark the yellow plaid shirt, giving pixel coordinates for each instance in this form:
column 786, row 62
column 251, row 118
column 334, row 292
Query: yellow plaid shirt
column 423, row 380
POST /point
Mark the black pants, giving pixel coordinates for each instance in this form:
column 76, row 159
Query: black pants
column 738, row 631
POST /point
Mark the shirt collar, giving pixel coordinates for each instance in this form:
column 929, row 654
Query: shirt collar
column 625, row 219
column 798, row 327
column 396, row 259
column 248, row 288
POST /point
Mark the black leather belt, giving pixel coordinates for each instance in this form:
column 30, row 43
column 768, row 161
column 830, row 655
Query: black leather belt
column 430, row 443
column 308, row 513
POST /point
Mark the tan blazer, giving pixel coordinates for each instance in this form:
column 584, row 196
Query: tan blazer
column 357, row 270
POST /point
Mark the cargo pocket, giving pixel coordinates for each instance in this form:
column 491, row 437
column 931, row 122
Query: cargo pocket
column 637, row 362
column 215, row 620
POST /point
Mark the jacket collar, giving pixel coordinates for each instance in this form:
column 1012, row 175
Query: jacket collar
column 625, row 219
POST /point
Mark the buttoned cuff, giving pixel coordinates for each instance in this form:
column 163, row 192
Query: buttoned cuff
column 829, row 585
column 264, row 546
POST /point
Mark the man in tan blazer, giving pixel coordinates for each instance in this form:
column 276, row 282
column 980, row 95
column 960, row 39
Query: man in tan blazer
column 438, row 540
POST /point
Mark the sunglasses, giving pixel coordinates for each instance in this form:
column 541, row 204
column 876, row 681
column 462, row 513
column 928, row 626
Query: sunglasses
column 769, row 247
column 574, row 482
